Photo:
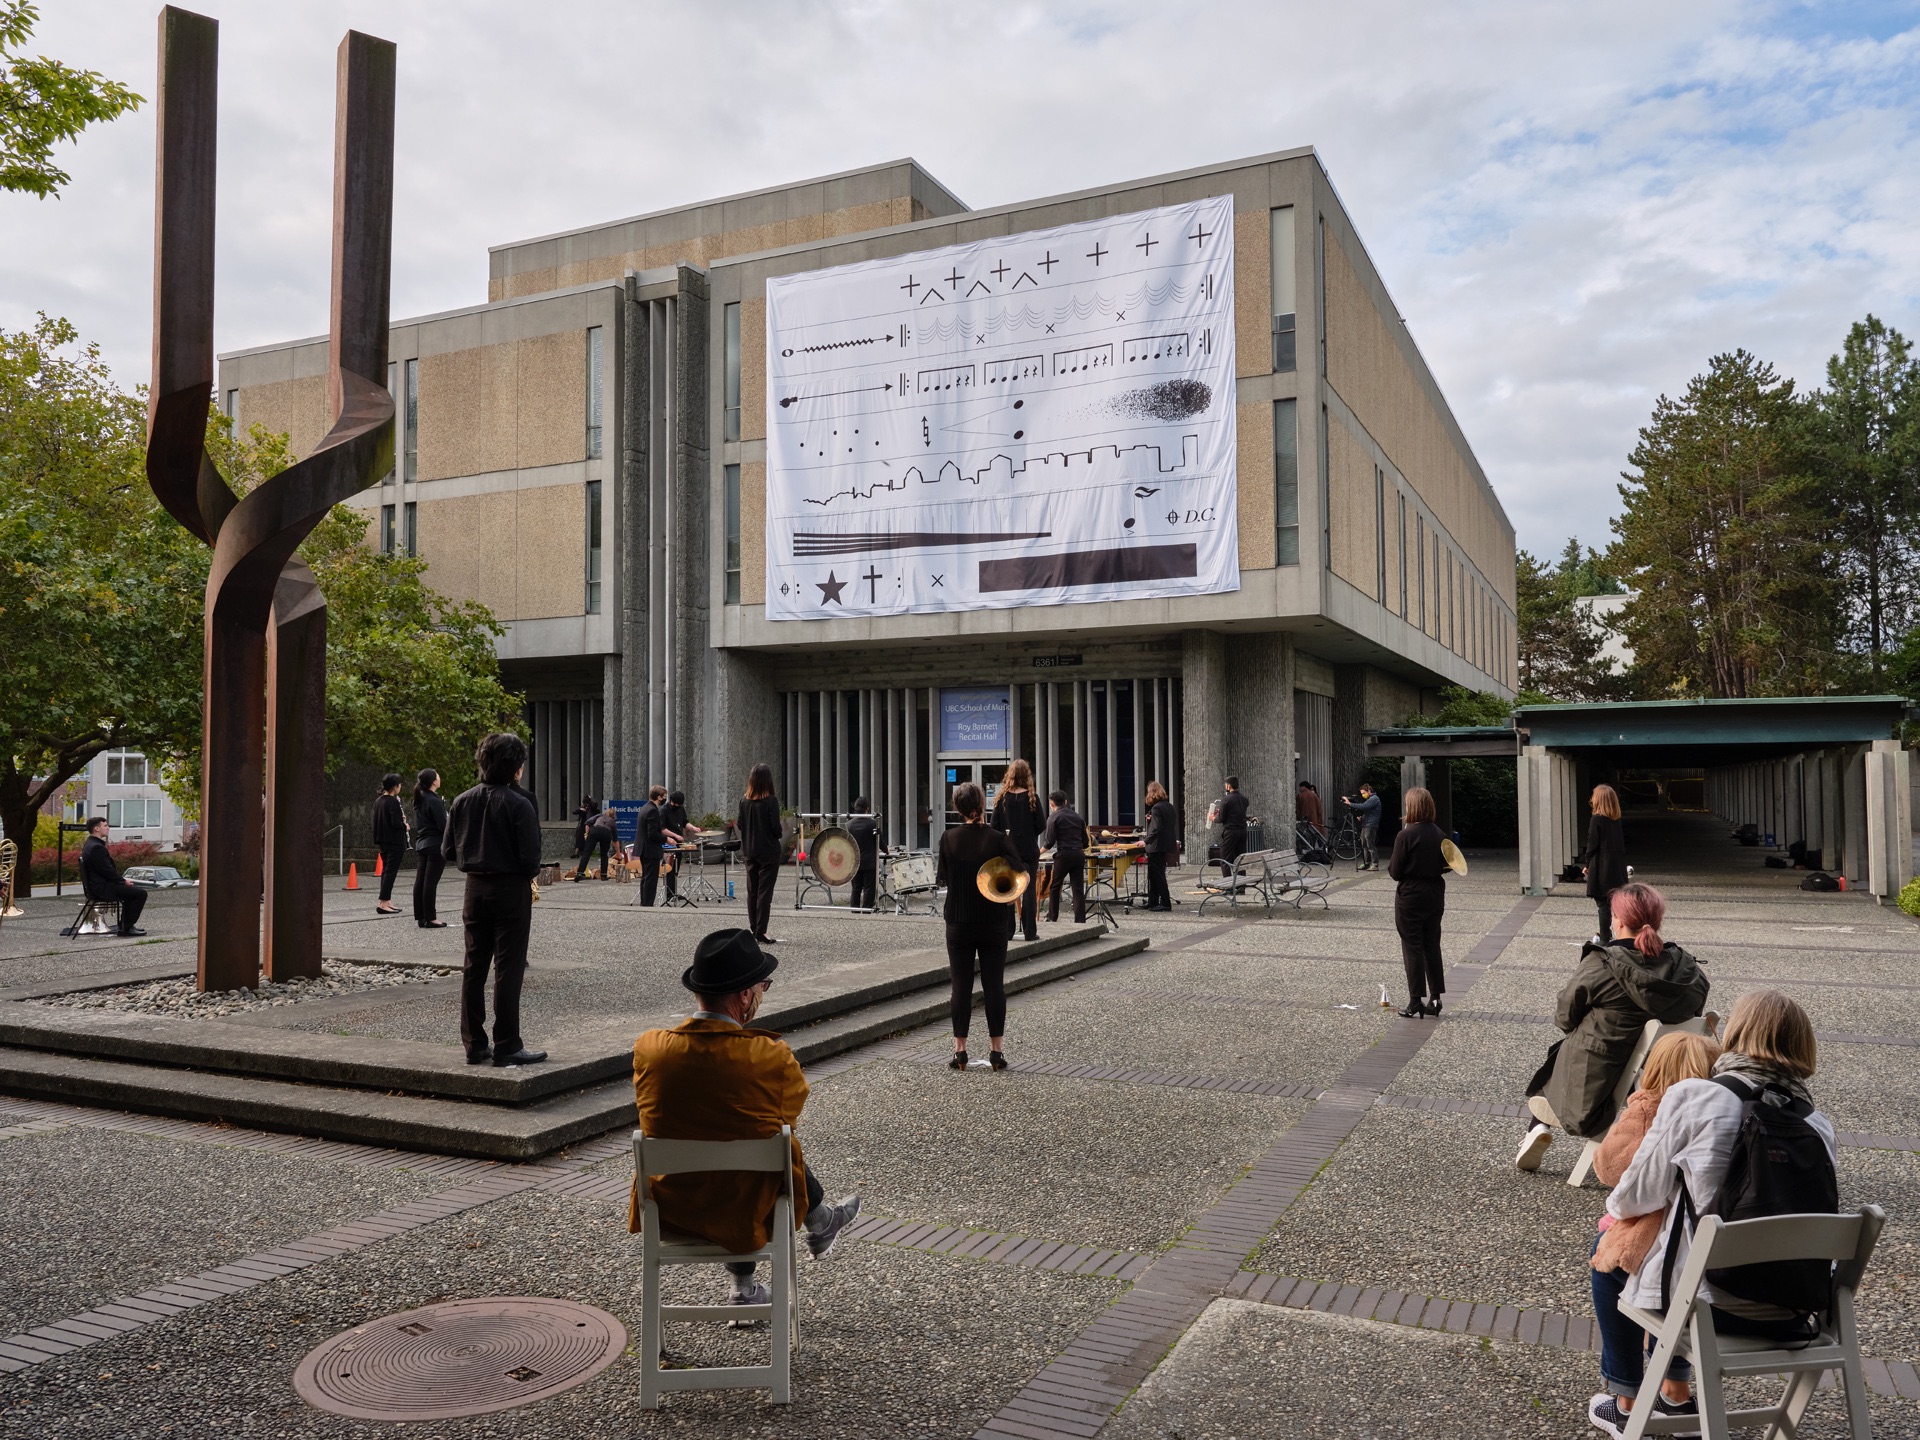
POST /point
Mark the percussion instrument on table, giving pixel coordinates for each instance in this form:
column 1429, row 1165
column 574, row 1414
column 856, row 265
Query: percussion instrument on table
column 834, row 856
column 999, row 882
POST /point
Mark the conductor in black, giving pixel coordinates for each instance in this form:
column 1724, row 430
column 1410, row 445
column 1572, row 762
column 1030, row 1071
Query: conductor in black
column 865, row 831
column 493, row 835
column 1233, row 821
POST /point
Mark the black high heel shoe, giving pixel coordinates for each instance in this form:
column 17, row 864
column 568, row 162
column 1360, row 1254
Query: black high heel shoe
column 959, row 1060
column 1413, row 1011
column 1433, row 1007
column 996, row 1059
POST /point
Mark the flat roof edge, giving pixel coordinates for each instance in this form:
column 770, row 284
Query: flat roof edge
column 729, row 199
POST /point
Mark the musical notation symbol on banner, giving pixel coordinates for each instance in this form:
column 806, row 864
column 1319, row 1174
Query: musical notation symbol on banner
column 1090, row 357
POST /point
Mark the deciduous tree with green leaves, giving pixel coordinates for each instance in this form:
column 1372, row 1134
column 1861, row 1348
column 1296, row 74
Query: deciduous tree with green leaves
column 1724, row 537
column 43, row 103
column 100, row 589
column 1560, row 644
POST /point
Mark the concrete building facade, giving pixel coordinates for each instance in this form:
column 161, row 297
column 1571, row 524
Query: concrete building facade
column 586, row 454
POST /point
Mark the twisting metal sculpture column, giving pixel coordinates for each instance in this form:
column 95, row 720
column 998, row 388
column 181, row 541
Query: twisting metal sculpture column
column 261, row 694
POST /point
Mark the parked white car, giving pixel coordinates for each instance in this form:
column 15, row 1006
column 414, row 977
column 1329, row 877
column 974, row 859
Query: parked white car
column 155, row 877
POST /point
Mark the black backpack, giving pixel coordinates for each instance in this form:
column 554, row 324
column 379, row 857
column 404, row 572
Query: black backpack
column 1779, row 1166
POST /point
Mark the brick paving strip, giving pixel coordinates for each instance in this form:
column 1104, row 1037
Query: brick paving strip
column 1554, row 1328
column 1078, row 1392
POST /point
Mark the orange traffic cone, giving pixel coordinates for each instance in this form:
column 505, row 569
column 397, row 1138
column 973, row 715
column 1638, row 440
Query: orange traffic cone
column 378, row 862
column 353, row 875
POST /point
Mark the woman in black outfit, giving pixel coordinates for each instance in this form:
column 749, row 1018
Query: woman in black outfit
column 976, row 928
column 583, row 819
column 1159, row 841
column 1419, row 902
column 1016, row 814
column 429, row 829
column 1604, row 861
column 758, row 825
column 390, row 839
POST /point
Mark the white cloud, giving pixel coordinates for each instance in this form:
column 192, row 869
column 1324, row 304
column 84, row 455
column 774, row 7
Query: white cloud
column 1573, row 205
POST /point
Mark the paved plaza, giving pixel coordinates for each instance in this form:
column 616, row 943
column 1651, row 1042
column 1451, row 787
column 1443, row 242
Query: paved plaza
column 1221, row 1193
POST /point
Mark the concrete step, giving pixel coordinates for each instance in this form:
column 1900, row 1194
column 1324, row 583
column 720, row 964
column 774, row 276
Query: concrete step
column 462, row 1126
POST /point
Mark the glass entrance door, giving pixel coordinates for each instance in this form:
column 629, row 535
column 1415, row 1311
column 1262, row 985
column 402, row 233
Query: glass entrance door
column 986, row 774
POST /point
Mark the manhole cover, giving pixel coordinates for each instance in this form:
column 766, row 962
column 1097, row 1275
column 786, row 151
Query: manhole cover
column 463, row 1357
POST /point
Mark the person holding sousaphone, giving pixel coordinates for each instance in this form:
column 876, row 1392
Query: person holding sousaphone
column 1419, row 864
column 982, row 871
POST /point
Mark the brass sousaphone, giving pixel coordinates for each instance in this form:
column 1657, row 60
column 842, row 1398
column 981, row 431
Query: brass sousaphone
column 1000, row 882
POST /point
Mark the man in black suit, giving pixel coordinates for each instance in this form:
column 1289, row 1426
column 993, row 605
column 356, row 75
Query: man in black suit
column 865, row 831
column 100, row 878
column 1066, row 836
column 651, row 842
column 1233, row 822
column 493, row 834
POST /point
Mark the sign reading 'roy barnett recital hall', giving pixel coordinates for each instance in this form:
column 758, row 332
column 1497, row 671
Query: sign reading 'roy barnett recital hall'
column 1033, row 419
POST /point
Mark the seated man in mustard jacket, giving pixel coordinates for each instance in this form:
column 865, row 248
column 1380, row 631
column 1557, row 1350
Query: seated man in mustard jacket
column 712, row 1078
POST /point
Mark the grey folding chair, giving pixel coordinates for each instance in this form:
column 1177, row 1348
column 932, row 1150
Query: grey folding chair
column 1687, row 1329
column 660, row 1246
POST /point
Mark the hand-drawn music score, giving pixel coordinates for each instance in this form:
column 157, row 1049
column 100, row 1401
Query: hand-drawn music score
column 970, row 446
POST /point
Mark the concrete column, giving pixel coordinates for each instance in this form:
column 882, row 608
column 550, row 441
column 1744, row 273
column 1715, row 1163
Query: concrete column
column 1538, row 827
column 1413, row 773
column 1204, row 721
column 1889, row 819
column 1259, row 732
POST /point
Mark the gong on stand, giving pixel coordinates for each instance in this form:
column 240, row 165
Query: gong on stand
column 832, row 860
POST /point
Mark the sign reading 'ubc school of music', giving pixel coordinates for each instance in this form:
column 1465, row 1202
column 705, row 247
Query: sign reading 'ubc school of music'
column 1032, row 419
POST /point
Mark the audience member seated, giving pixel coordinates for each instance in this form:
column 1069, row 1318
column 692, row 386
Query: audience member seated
column 1623, row 1244
column 100, row 878
column 713, row 1078
column 1769, row 1057
column 1616, row 988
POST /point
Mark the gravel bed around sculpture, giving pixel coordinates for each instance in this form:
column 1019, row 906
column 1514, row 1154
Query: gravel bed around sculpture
column 178, row 998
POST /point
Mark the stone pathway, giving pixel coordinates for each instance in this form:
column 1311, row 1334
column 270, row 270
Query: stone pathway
column 1207, row 1200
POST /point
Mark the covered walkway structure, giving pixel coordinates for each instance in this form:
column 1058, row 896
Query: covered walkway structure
column 1823, row 771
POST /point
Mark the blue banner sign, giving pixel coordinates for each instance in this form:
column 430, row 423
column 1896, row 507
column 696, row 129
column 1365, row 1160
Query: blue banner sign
column 974, row 719
column 627, row 819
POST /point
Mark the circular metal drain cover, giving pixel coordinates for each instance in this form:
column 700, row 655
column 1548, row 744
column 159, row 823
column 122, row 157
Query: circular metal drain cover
column 462, row 1357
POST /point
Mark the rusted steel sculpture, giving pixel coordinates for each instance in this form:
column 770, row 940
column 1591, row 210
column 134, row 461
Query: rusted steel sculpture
column 264, row 736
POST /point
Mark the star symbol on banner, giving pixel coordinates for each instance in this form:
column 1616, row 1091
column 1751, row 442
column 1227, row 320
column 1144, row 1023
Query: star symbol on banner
column 830, row 589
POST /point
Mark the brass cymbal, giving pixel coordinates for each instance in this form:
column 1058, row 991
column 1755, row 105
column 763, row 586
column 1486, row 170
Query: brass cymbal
column 999, row 882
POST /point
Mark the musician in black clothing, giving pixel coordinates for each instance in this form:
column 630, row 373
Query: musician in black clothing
column 390, row 839
column 976, row 928
column 1419, row 870
column 673, row 816
column 1157, row 838
column 1066, row 836
column 758, row 825
column 865, row 831
column 652, row 841
column 1233, row 822
column 100, row 878
column 429, row 830
column 583, row 818
column 602, row 834
column 1017, row 813
column 493, row 834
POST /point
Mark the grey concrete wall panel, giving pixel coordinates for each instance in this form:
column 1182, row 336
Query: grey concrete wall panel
column 1204, row 721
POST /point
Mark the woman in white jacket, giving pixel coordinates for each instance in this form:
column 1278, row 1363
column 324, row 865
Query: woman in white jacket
column 1769, row 1041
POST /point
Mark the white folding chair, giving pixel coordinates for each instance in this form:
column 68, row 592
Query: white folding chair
column 1630, row 1077
column 660, row 1246
column 1687, row 1329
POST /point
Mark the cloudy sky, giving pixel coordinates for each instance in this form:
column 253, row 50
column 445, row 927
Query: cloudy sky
column 1573, row 204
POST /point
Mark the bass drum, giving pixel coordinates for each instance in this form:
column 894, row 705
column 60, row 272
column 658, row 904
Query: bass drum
column 835, row 856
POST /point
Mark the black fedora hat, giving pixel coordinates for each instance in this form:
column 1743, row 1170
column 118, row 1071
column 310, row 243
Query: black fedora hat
column 727, row 961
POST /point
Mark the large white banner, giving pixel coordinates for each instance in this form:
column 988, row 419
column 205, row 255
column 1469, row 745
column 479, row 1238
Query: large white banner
column 1030, row 420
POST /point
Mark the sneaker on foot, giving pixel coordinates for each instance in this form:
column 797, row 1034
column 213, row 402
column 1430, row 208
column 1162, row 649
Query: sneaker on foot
column 832, row 1220
column 1663, row 1407
column 1531, row 1149
column 1605, row 1413
column 755, row 1294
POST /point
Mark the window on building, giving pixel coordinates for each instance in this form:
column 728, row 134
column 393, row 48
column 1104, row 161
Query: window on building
column 731, row 370
column 410, row 527
column 1403, row 555
column 232, row 409
column 593, row 544
column 126, row 767
column 1320, row 266
column 393, row 394
column 733, row 535
column 1281, row 260
column 1420, row 548
column 410, row 466
column 386, row 529
column 1286, row 482
column 133, row 814
column 595, row 376
column 1380, row 532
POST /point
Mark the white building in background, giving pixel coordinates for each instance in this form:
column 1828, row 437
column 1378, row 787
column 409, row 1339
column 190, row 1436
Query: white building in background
column 1603, row 613
column 124, row 786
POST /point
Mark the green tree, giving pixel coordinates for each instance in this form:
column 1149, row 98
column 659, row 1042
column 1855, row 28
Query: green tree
column 1865, row 428
column 100, row 590
column 1724, row 539
column 1560, row 645
column 42, row 103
